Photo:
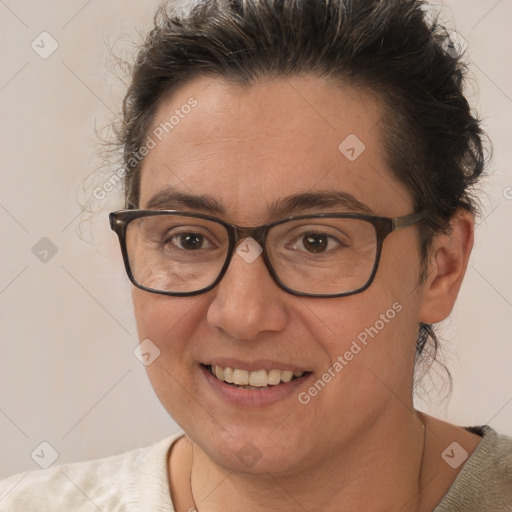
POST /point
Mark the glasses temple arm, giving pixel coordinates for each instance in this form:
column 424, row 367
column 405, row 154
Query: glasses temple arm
column 409, row 220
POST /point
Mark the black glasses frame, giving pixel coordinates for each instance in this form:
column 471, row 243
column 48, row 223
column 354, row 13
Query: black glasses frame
column 119, row 221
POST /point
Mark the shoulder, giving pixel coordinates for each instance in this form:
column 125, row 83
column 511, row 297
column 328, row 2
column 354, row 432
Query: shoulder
column 135, row 480
column 485, row 481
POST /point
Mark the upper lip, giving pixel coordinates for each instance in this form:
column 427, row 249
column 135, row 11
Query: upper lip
column 251, row 366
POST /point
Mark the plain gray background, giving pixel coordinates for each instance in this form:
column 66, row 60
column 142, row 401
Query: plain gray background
column 68, row 375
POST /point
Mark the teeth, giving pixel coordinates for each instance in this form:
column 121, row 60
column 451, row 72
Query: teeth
column 219, row 372
column 258, row 379
column 228, row 375
column 255, row 379
column 286, row 376
column 240, row 377
column 274, row 377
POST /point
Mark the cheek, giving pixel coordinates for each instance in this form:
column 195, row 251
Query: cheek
column 164, row 319
column 370, row 343
column 364, row 363
column 169, row 323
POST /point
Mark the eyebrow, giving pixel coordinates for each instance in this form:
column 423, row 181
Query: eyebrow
column 172, row 199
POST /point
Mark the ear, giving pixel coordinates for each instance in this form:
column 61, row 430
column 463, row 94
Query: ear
column 447, row 267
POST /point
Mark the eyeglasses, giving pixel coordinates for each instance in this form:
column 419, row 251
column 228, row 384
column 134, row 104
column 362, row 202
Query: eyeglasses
column 324, row 255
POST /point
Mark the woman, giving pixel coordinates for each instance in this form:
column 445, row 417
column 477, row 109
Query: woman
column 286, row 351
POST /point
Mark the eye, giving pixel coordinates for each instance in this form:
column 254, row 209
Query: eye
column 318, row 242
column 189, row 241
column 315, row 242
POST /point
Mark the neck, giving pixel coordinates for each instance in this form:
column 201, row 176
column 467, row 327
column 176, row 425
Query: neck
column 381, row 470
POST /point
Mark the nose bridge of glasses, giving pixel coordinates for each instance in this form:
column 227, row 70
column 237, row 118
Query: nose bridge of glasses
column 258, row 233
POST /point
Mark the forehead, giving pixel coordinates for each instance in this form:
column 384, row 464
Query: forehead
column 249, row 146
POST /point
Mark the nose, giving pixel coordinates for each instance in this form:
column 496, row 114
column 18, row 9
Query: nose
column 247, row 301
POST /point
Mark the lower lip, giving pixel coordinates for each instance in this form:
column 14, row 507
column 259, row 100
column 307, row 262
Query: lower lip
column 254, row 397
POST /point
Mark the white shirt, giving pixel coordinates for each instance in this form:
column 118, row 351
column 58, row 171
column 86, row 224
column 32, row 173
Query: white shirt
column 134, row 481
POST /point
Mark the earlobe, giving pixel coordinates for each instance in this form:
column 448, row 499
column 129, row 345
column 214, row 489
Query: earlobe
column 447, row 267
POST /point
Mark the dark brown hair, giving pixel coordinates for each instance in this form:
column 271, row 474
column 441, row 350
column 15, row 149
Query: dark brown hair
column 392, row 48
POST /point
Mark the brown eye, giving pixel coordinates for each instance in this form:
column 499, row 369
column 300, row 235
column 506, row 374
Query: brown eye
column 190, row 241
column 315, row 242
column 186, row 241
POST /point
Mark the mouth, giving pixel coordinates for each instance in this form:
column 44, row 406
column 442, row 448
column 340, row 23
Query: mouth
column 258, row 380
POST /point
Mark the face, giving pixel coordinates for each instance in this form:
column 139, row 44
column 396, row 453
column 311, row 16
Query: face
column 248, row 148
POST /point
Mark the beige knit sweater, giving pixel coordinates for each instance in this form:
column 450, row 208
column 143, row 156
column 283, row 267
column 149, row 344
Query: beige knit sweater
column 485, row 482
column 136, row 481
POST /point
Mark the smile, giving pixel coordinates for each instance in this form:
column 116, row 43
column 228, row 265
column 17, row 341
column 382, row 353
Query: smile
column 256, row 380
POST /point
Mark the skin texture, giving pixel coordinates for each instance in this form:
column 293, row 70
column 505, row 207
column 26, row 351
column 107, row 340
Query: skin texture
column 359, row 444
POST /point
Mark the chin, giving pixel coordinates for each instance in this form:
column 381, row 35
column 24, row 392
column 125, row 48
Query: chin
column 249, row 450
